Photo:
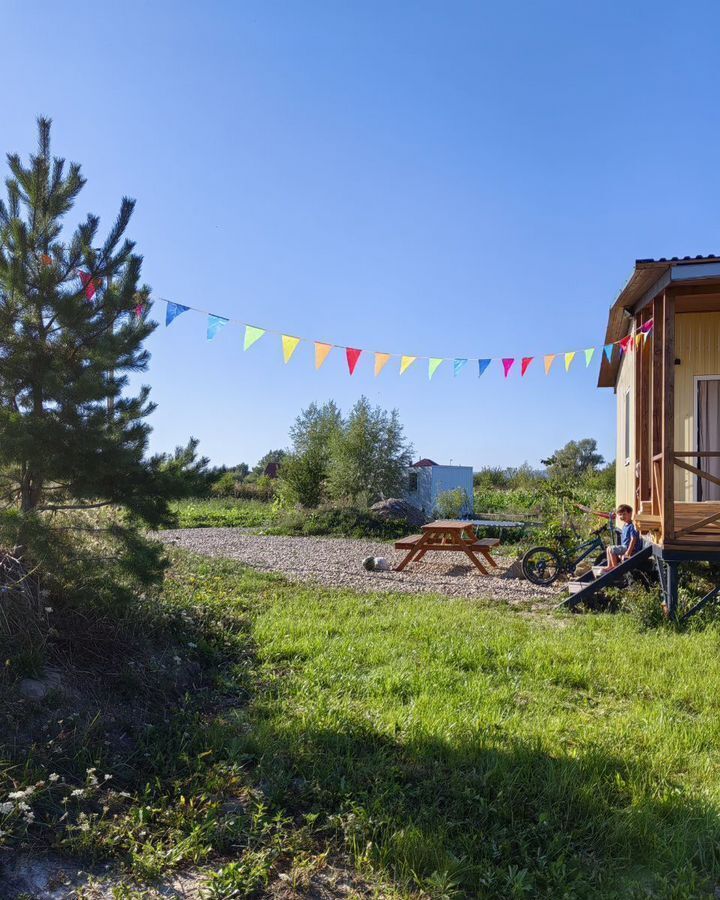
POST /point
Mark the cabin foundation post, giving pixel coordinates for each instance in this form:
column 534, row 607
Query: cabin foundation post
column 671, row 590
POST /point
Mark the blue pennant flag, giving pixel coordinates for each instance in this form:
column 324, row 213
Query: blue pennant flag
column 173, row 311
column 482, row 365
column 215, row 324
column 458, row 365
column 608, row 348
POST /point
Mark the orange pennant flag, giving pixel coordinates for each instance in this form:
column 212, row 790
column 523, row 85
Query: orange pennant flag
column 549, row 360
column 321, row 353
column 381, row 360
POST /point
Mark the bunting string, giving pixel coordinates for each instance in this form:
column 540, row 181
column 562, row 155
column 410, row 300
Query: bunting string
column 290, row 343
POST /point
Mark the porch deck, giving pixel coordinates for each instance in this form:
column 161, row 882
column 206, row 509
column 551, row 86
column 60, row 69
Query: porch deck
column 696, row 526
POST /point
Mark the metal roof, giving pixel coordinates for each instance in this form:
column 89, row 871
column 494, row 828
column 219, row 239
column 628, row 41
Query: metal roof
column 647, row 273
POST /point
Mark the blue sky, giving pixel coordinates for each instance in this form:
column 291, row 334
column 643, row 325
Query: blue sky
column 461, row 179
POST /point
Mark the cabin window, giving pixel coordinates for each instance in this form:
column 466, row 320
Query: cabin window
column 627, row 427
column 412, row 482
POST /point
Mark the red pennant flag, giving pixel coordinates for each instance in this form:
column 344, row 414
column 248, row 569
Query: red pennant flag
column 352, row 357
column 526, row 360
column 508, row 363
column 625, row 343
column 88, row 284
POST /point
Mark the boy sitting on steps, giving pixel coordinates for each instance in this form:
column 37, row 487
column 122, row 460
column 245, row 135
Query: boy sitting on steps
column 629, row 540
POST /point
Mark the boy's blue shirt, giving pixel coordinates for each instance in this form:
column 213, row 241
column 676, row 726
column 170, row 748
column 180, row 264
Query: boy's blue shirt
column 628, row 533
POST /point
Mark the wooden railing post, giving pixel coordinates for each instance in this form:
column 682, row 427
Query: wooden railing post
column 656, row 399
column 668, row 417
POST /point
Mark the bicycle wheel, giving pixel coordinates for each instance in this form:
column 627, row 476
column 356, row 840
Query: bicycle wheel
column 541, row 565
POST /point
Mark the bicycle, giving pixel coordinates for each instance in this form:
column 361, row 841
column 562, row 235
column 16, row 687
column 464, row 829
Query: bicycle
column 543, row 565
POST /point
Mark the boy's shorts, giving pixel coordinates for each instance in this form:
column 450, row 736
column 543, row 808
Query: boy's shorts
column 618, row 550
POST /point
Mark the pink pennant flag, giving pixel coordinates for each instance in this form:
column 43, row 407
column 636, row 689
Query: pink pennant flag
column 625, row 343
column 353, row 356
column 507, row 364
column 139, row 310
column 526, row 360
column 647, row 326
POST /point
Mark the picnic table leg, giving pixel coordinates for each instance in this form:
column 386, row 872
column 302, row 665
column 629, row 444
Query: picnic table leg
column 488, row 557
column 466, row 549
column 411, row 555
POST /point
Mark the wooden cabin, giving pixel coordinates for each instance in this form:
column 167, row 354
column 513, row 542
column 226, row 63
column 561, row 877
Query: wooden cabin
column 668, row 403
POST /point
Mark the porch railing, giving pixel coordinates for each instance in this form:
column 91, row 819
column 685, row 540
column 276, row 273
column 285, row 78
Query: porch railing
column 692, row 522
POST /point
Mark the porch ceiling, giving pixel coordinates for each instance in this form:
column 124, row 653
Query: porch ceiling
column 647, row 273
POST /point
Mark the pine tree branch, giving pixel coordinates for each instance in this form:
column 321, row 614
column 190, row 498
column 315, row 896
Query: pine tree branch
column 58, row 508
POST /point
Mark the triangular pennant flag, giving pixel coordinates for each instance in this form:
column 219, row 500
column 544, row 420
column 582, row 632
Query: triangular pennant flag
column 381, row 360
column 507, row 364
column 589, row 353
column 252, row 334
column 406, row 362
column 569, row 357
column 289, row 345
column 482, row 365
column 88, row 283
column 639, row 337
column 549, row 360
column 173, row 311
column 215, row 324
column 139, row 310
column 433, row 363
column 458, row 365
column 647, row 326
column 526, row 360
column 625, row 343
column 321, row 353
column 608, row 350
column 353, row 356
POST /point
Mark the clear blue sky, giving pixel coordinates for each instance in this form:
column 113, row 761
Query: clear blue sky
column 463, row 179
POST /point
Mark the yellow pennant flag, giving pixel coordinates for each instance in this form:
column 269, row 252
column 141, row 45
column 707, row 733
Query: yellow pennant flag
column 638, row 337
column 549, row 360
column 433, row 364
column 569, row 357
column 406, row 362
column 589, row 353
column 289, row 345
column 321, row 353
column 381, row 360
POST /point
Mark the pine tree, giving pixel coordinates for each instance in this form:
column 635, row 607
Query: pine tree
column 73, row 319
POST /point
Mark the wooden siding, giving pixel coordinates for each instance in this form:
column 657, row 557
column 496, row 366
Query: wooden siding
column 697, row 346
column 625, row 474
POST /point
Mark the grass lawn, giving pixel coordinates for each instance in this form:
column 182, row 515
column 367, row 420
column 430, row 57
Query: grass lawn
column 440, row 746
column 217, row 513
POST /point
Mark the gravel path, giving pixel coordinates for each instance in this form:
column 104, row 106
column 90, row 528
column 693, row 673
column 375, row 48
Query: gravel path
column 337, row 562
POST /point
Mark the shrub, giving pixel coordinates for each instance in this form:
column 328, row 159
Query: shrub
column 452, row 504
column 340, row 521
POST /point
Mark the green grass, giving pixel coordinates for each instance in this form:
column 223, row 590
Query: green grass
column 447, row 747
column 224, row 513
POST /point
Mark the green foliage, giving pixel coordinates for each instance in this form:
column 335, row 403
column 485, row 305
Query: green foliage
column 574, row 459
column 224, row 513
column 190, row 472
column 71, row 434
column 339, row 521
column 451, row 504
column 272, row 456
column 369, row 456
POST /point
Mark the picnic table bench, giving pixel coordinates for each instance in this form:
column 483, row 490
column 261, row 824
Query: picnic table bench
column 448, row 535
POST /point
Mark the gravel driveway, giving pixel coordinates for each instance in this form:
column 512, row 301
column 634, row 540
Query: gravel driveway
column 337, row 562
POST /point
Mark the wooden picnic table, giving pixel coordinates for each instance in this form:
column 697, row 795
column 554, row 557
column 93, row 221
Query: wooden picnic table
column 448, row 535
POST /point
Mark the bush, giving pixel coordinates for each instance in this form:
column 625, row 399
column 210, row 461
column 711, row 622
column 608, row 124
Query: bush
column 339, row 521
column 452, row 504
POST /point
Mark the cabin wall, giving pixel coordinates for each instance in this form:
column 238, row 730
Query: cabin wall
column 625, row 465
column 697, row 346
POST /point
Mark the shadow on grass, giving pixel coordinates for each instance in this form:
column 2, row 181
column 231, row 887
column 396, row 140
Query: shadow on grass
column 487, row 818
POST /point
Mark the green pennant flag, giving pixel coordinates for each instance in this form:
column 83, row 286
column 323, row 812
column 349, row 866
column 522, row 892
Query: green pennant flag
column 589, row 353
column 433, row 363
column 252, row 334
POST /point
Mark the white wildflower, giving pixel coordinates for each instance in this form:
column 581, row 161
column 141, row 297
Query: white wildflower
column 53, row 776
column 6, row 808
column 48, row 609
column 78, row 792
